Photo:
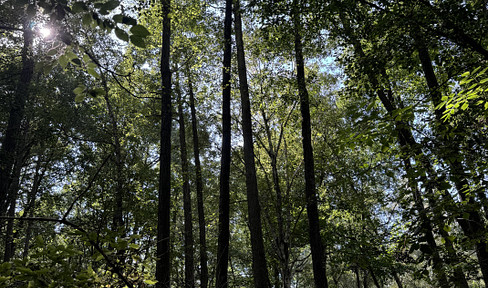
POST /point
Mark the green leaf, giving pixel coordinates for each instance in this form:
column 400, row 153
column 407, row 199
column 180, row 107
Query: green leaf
column 80, row 89
column 110, row 5
column 76, row 61
column 121, row 34
column 63, row 61
column 79, row 98
column 134, row 246
column 93, row 73
column 52, row 52
column 139, row 30
column 465, row 106
column 486, row 105
column 150, row 282
column 87, row 20
column 118, row 18
column 129, row 20
column 79, row 7
column 137, row 41
column 447, row 228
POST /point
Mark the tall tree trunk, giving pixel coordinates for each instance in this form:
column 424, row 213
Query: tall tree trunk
column 11, row 139
column 473, row 225
column 199, row 184
column 224, row 232
column 318, row 256
column 259, row 266
column 163, row 262
column 189, row 259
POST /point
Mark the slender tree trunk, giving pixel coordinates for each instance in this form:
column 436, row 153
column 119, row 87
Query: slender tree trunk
column 224, row 232
column 12, row 199
column 373, row 276
column 189, row 259
column 198, row 176
column 397, row 279
column 282, row 240
column 163, row 262
column 13, row 132
column 358, row 279
column 259, row 266
column 318, row 256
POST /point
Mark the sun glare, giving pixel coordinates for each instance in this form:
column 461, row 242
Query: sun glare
column 45, row 32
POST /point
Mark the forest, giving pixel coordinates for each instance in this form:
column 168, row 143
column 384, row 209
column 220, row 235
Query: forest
column 256, row 143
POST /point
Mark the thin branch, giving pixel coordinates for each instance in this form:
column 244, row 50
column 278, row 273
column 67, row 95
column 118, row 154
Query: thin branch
column 86, row 189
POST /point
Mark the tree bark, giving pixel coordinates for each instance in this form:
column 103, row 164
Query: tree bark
column 198, row 176
column 259, row 265
column 318, row 256
column 189, row 260
column 224, row 232
column 163, row 263
column 11, row 139
column 12, row 199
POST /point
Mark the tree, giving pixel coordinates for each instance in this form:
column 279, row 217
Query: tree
column 318, row 255
column 163, row 266
column 224, row 233
column 260, row 269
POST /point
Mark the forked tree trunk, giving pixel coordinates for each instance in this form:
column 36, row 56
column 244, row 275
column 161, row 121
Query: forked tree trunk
column 188, row 236
column 224, row 232
column 259, row 266
column 199, row 184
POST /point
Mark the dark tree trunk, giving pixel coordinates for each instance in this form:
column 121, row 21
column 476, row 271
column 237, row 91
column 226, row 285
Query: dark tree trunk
column 373, row 276
column 397, row 279
column 198, row 176
column 189, row 259
column 224, row 232
column 358, row 280
column 163, row 263
column 13, row 132
column 12, row 199
column 318, row 256
column 259, row 266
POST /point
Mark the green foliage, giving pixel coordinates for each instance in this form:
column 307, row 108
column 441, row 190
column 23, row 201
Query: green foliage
column 474, row 87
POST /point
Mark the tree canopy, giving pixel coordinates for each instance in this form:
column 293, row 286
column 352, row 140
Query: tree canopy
column 287, row 143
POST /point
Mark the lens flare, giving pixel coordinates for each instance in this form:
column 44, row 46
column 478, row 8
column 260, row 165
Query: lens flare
column 45, row 32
